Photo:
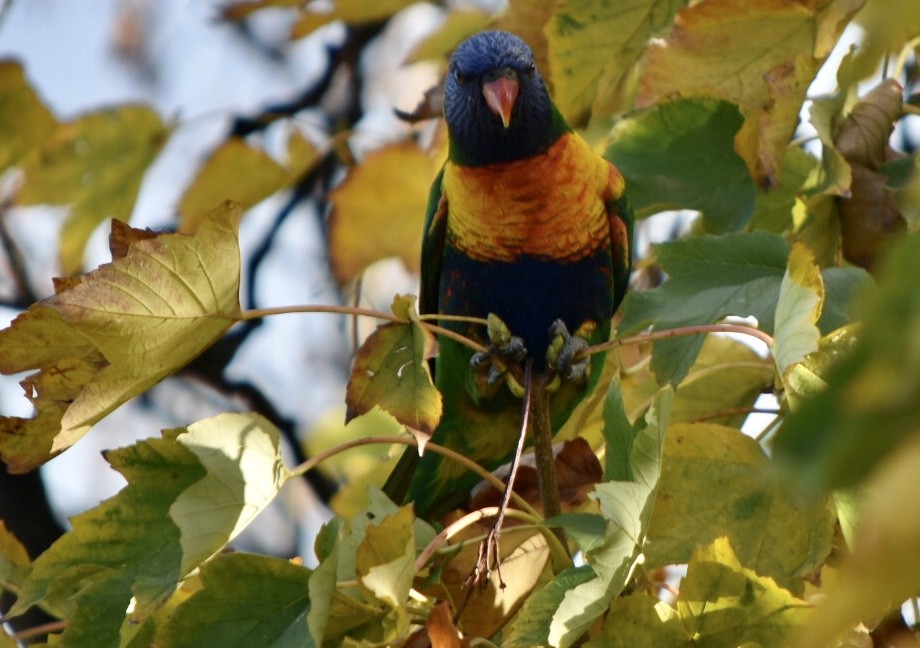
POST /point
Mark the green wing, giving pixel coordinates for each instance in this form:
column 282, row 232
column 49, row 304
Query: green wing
column 433, row 248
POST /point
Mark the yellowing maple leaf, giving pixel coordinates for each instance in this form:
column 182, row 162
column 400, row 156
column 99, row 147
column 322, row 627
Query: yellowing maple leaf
column 115, row 332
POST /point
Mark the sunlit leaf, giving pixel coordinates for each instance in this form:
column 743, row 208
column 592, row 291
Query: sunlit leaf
column 721, row 603
column 801, row 295
column 387, row 192
column 94, row 164
column 391, row 372
column 353, row 12
column 127, row 546
column 25, row 122
column 720, row 474
column 385, row 560
column 457, row 26
column 870, row 405
column 246, row 600
column 761, row 56
column 681, row 155
column 773, row 210
column 235, row 171
column 883, row 568
column 887, row 26
column 626, row 507
column 118, row 331
column 593, row 45
column 242, row 456
column 241, row 9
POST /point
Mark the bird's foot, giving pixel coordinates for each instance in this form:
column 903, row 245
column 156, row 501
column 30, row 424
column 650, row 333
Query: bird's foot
column 562, row 354
column 504, row 350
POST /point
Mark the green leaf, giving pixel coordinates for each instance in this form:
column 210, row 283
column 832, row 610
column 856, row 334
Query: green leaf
column 627, row 507
column 96, row 165
column 14, row 560
column 720, row 475
column 801, row 296
column 127, row 546
column 711, row 277
column 531, row 626
column 871, row 403
column 619, row 436
column 244, row 473
column 680, row 155
column 391, row 372
column 721, row 603
column 114, row 333
column 25, row 122
column 773, row 210
column 246, row 600
column 593, row 46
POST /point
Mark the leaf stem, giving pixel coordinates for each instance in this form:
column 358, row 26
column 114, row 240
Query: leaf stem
column 557, row 551
column 681, row 331
column 494, row 481
column 257, row 313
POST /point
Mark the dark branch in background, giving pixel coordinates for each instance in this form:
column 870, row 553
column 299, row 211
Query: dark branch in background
column 24, row 295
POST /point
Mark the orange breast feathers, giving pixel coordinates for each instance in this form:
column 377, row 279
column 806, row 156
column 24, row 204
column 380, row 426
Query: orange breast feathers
column 551, row 206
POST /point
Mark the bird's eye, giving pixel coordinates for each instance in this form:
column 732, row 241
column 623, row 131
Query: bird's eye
column 531, row 68
column 460, row 77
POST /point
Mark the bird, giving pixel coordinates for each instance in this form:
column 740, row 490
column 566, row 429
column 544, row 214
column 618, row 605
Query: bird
column 529, row 227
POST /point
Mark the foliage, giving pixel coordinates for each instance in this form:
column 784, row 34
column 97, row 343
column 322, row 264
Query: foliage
column 698, row 104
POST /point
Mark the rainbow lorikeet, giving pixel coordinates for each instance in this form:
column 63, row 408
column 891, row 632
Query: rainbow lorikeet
column 525, row 222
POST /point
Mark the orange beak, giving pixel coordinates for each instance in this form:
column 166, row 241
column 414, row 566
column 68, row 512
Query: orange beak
column 500, row 96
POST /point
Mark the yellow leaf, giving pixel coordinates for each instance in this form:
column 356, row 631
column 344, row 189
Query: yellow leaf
column 884, row 566
column 527, row 19
column 96, row 165
column 593, row 45
column 760, row 56
column 353, row 12
column 25, row 122
column 235, row 172
column 457, row 26
column 391, row 372
column 887, row 26
column 801, row 296
column 379, row 210
column 121, row 329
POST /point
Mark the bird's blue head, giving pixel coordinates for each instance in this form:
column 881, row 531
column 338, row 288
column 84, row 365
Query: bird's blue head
column 495, row 102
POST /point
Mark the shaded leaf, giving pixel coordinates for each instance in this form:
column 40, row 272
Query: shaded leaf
column 760, row 56
column 869, row 219
column 593, row 46
column 95, row 164
column 391, row 372
column 14, row 560
column 117, row 332
column 387, row 191
column 681, row 155
column 721, row 603
column 863, row 134
column 774, row 208
column 245, row 600
column 441, row 629
column 719, row 474
column 870, row 405
column 25, row 122
column 245, row 471
column 711, row 277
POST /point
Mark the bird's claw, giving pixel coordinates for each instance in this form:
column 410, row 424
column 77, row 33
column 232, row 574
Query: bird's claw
column 504, row 349
column 488, row 559
column 564, row 349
